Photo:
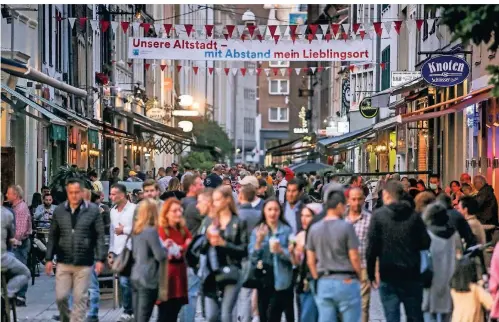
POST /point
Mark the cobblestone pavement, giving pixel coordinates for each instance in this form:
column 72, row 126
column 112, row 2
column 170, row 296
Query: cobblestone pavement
column 41, row 304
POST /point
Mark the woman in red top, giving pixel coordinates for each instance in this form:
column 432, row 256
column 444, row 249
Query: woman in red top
column 173, row 283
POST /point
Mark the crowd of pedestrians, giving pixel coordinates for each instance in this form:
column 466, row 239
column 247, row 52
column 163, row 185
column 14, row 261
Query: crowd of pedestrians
column 248, row 245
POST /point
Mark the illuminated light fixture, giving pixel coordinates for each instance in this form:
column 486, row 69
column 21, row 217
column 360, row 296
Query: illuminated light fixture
column 185, row 113
column 195, row 105
column 144, row 149
column 147, row 154
column 186, row 126
column 370, row 148
column 83, row 147
column 392, row 145
column 185, row 100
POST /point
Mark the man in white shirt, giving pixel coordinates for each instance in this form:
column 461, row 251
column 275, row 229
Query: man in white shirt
column 281, row 185
column 165, row 177
column 96, row 184
column 121, row 226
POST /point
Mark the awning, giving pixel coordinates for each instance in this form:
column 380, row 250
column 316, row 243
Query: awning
column 308, row 167
column 83, row 122
column 392, row 121
column 150, row 124
column 325, row 142
column 455, row 105
column 15, row 68
column 382, row 99
column 282, row 145
column 52, row 118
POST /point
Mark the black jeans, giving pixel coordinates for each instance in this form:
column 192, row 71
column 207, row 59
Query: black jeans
column 272, row 303
column 143, row 303
column 168, row 311
column 409, row 293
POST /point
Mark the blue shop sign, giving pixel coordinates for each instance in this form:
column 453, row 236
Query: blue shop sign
column 445, row 71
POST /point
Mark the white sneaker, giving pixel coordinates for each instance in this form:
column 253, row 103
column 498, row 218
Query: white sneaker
column 125, row 317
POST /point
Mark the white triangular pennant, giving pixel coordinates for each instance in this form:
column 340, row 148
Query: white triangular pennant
column 430, row 23
column 72, row 22
column 219, row 29
column 234, row 71
column 313, row 69
column 94, row 24
column 267, row 71
column 324, row 29
column 411, row 25
column 180, row 30
column 262, row 29
column 283, row 71
column 346, row 27
column 282, row 30
column 218, row 70
column 353, row 35
column 240, row 29
column 388, row 26
column 327, row 68
column 153, row 66
column 297, row 71
column 319, row 36
column 114, row 26
column 187, row 68
column 251, row 71
column 301, row 29
column 136, row 28
column 158, row 27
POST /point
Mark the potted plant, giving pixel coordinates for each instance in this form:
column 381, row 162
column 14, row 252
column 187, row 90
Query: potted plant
column 59, row 180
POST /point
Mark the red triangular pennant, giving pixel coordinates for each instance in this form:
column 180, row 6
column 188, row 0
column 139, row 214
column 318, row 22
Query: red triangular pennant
column 362, row 34
column 130, row 64
column 366, row 66
column 305, row 69
column 168, row 27
column 230, row 30
column 344, row 35
column 258, row 71
column 398, row 25
column 195, row 69
column 320, row 69
column 210, row 70
column 334, row 28
column 419, row 23
column 313, row 29
column 179, row 68
column 275, row 70
column 243, row 71
column 104, row 25
column 310, row 38
column 272, row 29
column 59, row 18
column 251, row 29
column 328, row 37
column 227, row 70
column 293, row 38
column 82, row 22
column 276, row 39
column 290, row 71
column 209, row 30
column 226, row 36
column 377, row 28
column 355, row 27
column 382, row 66
column 260, row 37
column 146, row 27
column 146, row 65
column 351, row 67
column 124, row 26
column 162, row 67
column 292, row 29
column 188, row 29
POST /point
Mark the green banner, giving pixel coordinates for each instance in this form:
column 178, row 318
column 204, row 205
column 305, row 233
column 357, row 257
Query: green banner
column 58, row 133
column 93, row 138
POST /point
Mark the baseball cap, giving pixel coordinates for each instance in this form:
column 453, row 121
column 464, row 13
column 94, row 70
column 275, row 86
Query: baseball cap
column 252, row 180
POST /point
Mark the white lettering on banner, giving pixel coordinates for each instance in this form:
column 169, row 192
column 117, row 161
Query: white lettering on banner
column 266, row 50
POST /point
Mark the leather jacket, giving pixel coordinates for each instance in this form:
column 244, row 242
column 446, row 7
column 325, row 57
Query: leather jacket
column 236, row 238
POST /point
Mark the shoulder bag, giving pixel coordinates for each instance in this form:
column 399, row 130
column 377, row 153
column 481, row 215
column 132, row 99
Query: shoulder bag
column 123, row 262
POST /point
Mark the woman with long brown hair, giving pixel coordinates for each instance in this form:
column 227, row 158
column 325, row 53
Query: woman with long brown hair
column 226, row 246
column 176, row 238
column 148, row 254
column 173, row 190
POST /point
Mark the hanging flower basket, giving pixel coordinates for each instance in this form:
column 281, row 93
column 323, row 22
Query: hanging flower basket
column 101, row 78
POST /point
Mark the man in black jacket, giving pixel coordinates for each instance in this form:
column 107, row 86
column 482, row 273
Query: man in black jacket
column 487, row 202
column 76, row 233
column 396, row 237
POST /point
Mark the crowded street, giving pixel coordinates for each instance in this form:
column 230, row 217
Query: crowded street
column 249, row 162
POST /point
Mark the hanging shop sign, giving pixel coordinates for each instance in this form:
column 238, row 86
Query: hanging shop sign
column 401, row 77
column 156, row 113
column 366, row 109
column 232, row 50
column 445, row 71
column 345, row 96
column 303, row 121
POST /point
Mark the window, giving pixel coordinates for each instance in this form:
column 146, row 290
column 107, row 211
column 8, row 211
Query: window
column 249, row 65
column 51, row 35
column 278, row 114
column 385, row 74
column 249, row 94
column 58, row 41
column 249, row 125
column 279, row 87
column 278, row 63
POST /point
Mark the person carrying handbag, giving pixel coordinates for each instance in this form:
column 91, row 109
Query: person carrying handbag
column 225, row 248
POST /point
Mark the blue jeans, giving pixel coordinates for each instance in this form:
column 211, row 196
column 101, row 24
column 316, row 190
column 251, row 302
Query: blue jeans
column 225, row 311
column 338, row 296
column 188, row 312
column 93, row 294
column 308, row 308
column 21, row 252
column 409, row 293
column 126, row 294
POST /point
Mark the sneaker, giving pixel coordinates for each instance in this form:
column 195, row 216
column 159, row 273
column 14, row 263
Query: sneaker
column 125, row 317
column 93, row 319
column 56, row 318
column 21, row 301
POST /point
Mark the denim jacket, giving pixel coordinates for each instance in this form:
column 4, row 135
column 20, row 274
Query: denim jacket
column 281, row 263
